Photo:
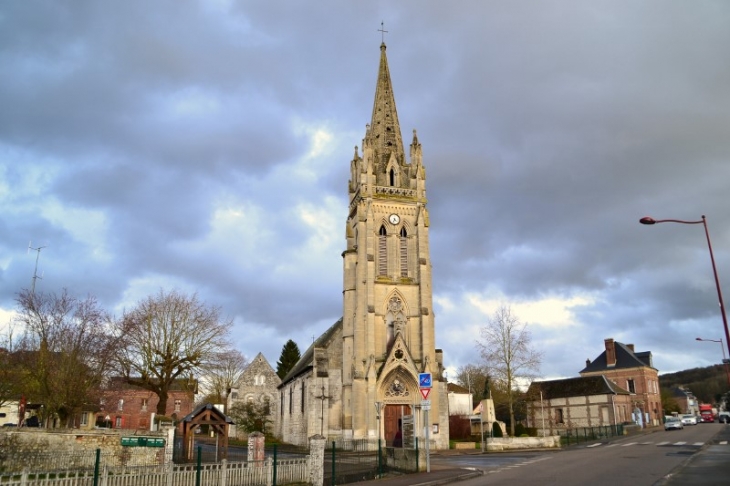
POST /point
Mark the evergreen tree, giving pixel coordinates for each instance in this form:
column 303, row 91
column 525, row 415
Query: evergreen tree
column 289, row 357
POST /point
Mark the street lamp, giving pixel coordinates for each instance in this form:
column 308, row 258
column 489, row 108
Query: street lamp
column 703, row 221
column 724, row 360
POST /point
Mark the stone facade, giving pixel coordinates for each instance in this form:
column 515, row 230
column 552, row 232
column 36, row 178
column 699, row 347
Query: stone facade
column 258, row 383
column 573, row 403
column 44, row 450
column 374, row 354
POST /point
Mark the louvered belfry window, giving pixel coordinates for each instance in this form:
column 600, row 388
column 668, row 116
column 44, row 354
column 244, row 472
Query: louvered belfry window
column 382, row 252
column 403, row 252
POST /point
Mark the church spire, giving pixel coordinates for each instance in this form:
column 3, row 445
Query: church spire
column 384, row 134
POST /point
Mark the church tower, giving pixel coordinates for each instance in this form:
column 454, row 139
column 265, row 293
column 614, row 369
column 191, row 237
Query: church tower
column 359, row 379
column 388, row 333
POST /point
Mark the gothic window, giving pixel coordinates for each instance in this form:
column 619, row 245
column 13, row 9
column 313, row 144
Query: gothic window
column 382, row 251
column 302, row 407
column 392, row 177
column 395, row 319
column 403, row 252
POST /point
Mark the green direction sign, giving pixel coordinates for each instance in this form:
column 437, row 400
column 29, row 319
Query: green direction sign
column 143, row 442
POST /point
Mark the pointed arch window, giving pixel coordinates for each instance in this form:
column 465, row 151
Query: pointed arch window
column 403, row 252
column 392, row 177
column 382, row 251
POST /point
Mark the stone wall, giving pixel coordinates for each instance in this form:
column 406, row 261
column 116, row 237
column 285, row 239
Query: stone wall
column 37, row 450
column 495, row 444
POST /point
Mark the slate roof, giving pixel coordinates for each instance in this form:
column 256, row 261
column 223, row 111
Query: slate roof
column 306, row 362
column 207, row 406
column 625, row 358
column 575, row 387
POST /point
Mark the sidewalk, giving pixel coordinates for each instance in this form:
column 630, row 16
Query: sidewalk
column 437, row 476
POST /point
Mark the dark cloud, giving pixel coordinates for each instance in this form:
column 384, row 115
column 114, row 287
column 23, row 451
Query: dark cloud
column 207, row 147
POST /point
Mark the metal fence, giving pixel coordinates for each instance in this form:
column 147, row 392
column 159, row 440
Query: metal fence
column 353, row 461
column 92, row 469
column 586, row 434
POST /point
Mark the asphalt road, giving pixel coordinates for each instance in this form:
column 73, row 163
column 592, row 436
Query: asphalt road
column 645, row 459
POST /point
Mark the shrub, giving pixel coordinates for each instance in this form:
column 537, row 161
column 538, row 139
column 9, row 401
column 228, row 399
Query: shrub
column 496, row 430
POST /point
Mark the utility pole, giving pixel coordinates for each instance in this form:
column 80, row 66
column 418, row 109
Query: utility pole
column 35, row 272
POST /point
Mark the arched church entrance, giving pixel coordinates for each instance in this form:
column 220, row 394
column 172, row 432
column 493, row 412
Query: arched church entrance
column 392, row 422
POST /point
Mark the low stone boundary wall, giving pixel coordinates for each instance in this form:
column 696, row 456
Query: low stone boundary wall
column 496, row 444
column 70, row 449
column 465, row 445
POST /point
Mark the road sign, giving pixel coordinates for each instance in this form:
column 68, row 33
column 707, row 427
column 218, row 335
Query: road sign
column 424, row 380
column 426, row 404
column 425, row 392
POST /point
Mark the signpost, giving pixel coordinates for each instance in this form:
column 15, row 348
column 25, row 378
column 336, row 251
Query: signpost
column 424, row 382
column 143, row 442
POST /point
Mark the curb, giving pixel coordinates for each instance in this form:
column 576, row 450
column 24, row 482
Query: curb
column 461, row 477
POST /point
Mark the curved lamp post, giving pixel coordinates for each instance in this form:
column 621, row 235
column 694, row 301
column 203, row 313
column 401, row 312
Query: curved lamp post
column 724, row 360
column 703, row 221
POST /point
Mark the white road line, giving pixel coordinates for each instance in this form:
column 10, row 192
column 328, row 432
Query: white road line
column 629, row 444
column 646, row 443
column 663, row 443
column 612, row 445
column 679, row 443
column 594, row 445
column 723, row 442
column 698, row 443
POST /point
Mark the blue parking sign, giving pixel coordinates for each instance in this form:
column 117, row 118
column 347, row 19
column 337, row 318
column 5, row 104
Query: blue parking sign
column 424, row 380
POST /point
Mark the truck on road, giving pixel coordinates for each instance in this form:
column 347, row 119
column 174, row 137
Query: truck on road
column 706, row 413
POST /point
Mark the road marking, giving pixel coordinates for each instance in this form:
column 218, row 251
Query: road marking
column 595, row 445
column 698, row 443
column 629, row 444
column 663, row 443
column 723, row 442
column 679, row 443
column 646, row 443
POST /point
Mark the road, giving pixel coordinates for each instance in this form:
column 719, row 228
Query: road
column 638, row 460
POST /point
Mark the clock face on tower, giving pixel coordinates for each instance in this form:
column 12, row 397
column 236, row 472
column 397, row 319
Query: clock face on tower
column 394, row 219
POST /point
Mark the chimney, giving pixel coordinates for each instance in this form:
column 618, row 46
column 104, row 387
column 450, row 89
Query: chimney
column 631, row 347
column 610, row 352
column 588, row 363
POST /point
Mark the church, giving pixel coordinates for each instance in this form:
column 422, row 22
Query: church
column 360, row 379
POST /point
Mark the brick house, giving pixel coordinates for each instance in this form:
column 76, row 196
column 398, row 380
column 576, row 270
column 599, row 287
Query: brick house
column 634, row 372
column 590, row 401
column 125, row 406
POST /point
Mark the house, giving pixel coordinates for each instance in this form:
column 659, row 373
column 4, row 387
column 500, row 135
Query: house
column 257, row 384
column 460, row 400
column 125, row 406
column 590, row 401
column 634, row 372
column 688, row 403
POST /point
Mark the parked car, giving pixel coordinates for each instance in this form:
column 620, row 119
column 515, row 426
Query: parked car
column 689, row 419
column 723, row 417
column 673, row 423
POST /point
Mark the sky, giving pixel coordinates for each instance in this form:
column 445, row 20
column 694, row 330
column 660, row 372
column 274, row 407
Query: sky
column 204, row 146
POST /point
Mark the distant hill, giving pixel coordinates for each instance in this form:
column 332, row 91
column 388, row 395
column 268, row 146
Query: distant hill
column 708, row 384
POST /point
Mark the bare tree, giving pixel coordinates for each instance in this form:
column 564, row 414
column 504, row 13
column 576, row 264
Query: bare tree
column 222, row 374
column 472, row 377
column 507, row 353
column 64, row 352
column 167, row 337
